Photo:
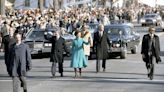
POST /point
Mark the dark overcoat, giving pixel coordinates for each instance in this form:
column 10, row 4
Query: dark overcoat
column 7, row 42
column 101, row 44
column 20, row 59
column 146, row 46
column 57, row 49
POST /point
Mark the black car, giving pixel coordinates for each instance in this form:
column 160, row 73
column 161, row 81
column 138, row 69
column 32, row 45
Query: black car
column 122, row 39
column 39, row 45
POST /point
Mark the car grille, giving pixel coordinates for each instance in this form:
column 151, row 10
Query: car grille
column 38, row 45
column 30, row 44
column 34, row 44
column 149, row 21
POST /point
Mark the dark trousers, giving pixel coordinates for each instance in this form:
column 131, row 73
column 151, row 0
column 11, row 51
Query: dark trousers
column 53, row 68
column 16, row 83
column 151, row 60
column 7, row 64
column 98, row 64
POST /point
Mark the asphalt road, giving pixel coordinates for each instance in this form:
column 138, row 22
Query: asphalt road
column 122, row 75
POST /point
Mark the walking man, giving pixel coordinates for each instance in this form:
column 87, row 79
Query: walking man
column 20, row 63
column 7, row 42
column 101, row 43
column 57, row 50
column 150, row 49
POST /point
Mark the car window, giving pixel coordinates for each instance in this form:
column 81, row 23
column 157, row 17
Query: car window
column 36, row 35
column 116, row 31
column 150, row 16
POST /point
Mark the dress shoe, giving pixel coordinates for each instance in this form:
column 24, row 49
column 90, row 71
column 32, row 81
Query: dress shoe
column 61, row 75
column 21, row 84
column 104, row 70
column 25, row 90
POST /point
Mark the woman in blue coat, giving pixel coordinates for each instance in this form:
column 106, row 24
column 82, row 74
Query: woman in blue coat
column 78, row 59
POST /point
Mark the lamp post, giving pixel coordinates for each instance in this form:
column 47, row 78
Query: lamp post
column 2, row 7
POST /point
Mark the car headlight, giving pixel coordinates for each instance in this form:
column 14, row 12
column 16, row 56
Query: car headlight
column 116, row 45
column 154, row 20
column 142, row 20
column 48, row 44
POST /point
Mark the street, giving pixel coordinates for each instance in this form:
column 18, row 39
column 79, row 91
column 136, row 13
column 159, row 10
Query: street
column 121, row 75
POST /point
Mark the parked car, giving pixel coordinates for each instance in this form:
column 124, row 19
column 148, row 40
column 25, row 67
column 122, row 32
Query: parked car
column 122, row 39
column 151, row 19
column 39, row 45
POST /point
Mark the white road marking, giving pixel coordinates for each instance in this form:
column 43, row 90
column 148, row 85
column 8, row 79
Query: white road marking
column 96, row 80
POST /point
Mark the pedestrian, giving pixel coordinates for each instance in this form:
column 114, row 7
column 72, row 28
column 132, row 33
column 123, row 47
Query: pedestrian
column 86, row 35
column 78, row 59
column 101, row 43
column 150, row 49
column 57, row 51
column 20, row 63
column 7, row 42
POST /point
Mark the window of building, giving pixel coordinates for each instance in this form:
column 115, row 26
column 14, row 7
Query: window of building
column 27, row 2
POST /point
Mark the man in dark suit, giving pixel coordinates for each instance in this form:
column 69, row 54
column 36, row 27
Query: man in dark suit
column 20, row 62
column 150, row 48
column 57, row 50
column 101, row 42
column 7, row 42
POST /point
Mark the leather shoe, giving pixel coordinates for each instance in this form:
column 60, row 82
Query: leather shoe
column 104, row 70
column 61, row 75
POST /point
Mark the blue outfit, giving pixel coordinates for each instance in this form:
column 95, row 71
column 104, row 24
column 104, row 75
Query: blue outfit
column 78, row 59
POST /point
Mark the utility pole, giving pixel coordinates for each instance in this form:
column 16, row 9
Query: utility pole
column 2, row 7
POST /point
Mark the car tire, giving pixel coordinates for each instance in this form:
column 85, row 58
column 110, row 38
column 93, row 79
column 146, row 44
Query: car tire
column 123, row 54
column 143, row 25
column 134, row 49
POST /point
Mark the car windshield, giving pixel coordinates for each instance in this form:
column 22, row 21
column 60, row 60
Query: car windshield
column 93, row 27
column 116, row 31
column 150, row 16
column 36, row 35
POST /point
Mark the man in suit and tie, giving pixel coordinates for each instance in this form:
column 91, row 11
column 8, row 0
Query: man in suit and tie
column 57, row 50
column 150, row 48
column 101, row 42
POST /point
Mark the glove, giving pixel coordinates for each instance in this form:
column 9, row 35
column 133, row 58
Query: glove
column 28, row 68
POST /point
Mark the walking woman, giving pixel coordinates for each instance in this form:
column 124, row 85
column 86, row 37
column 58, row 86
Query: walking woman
column 86, row 35
column 78, row 59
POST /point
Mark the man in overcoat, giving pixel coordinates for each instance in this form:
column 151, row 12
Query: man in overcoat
column 20, row 63
column 57, row 51
column 101, row 43
column 7, row 42
column 150, row 47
